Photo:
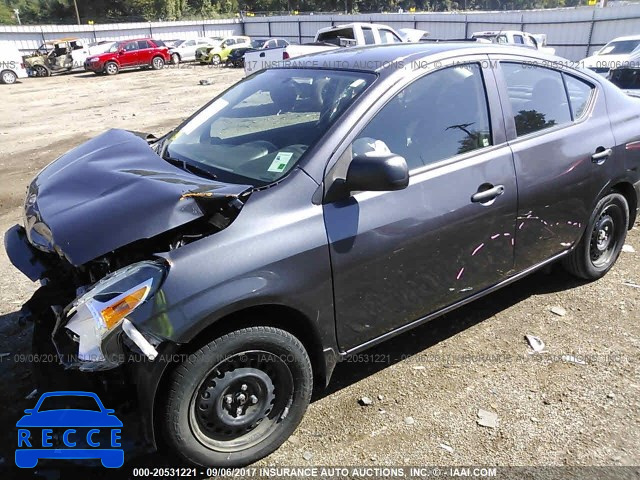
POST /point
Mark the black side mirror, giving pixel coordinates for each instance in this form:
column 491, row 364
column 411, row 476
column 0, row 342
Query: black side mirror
column 381, row 173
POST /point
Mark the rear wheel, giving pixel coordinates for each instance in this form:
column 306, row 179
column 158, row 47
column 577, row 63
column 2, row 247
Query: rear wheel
column 603, row 239
column 111, row 68
column 238, row 398
column 175, row 59
column 8, row 77
column 157, row 63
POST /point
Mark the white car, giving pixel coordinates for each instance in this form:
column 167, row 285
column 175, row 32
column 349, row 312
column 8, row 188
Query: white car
column 519, row 38
column 11, row 65
column 185, row 50
column 619, row 52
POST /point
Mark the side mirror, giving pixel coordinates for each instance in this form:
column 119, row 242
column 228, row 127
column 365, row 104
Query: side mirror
column 381, row 173
column 121, row 51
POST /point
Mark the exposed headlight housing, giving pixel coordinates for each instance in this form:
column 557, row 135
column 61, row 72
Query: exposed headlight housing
column 96, row 317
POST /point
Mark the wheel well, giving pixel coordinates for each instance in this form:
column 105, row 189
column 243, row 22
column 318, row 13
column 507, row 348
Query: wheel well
column 628, row 192
column 278, row 316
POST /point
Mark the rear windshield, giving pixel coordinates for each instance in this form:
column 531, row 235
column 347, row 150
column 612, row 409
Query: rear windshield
column 260, row 128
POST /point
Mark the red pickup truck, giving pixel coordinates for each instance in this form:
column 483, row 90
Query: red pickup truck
column 143, row 52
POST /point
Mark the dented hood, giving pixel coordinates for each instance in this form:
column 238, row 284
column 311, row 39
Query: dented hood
column 110, row 192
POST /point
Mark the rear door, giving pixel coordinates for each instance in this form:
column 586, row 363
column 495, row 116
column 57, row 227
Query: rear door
column 399, row 256
column 146, row 51
column 559, row 131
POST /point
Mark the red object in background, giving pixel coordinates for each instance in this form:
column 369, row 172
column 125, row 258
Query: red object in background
column 129, row 54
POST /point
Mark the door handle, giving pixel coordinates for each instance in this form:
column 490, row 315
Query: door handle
column 487, row 195
column 601, row 156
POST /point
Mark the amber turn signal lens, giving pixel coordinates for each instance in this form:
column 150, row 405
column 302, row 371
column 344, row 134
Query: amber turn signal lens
column 123, row 307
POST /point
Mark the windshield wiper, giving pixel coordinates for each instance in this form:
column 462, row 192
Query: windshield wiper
column 190, row 167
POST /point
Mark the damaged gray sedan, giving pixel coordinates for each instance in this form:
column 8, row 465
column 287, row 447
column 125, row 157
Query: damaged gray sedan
column 308, row 213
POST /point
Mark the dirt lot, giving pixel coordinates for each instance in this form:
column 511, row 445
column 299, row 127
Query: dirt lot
column 424, row 407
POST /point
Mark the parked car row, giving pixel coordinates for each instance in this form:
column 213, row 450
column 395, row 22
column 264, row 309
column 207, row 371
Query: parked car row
column 356, row 202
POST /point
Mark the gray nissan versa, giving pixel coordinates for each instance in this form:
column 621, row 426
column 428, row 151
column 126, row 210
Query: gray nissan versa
column 309, row 212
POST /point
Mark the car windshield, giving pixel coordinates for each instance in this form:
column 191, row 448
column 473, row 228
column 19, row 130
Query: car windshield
column 60, row 402
column 259, row 129
column 115, row 47
column 619, row 47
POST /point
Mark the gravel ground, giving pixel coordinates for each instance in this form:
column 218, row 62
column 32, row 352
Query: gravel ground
column 427, row 386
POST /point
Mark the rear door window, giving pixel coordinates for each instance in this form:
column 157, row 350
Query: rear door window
column 368, row 36
column 537, row 95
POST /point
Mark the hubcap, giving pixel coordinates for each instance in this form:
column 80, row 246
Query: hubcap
column 603, row 242
column 157, row 63
column 111, row 68
column 241, row 400
column 8, row 77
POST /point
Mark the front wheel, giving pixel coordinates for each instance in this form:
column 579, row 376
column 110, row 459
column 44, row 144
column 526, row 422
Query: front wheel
column 175, row 59
column 157, row 63
column 41, row 71
column 215, row 60
column 111, row 68
column 238, row 398
column 603, row 239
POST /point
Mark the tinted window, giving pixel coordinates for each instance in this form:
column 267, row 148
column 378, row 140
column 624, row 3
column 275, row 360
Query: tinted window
column 387, row 36
column 142, row 44
column 518, row 39
column 368, row 36
column 626, row 78
column 130, row 47
column 579, row 95
column 538, row 98
column 438, row 116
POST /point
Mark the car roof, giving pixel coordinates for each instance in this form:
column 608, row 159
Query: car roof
column 628, row 37
column 384, row 59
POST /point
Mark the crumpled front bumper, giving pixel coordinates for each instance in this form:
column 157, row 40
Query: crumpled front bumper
column 26, row 258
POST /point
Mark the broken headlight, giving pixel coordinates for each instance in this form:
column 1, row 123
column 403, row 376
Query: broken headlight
column 97, row 316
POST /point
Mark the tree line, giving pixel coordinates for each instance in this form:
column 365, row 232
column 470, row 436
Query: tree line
column 100, row 11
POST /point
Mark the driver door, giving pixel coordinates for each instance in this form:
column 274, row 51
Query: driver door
column 400, row 256
column 128, row 56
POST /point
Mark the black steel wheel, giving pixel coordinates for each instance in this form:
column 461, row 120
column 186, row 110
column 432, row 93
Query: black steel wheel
column 603, row 239
column 239, row 397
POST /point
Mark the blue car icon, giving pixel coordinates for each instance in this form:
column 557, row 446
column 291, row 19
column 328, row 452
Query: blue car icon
column 69, row 425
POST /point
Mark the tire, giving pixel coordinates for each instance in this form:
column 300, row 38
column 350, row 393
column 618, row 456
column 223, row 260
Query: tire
column 157, row 63
column 175, row 59
column 8, row 77
column 41, row 71
column 111, row 68
column 215, row 60
column 602, row 241
column 238, row 398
